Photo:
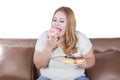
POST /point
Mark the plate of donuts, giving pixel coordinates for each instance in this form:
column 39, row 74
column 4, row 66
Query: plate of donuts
column 69, row 60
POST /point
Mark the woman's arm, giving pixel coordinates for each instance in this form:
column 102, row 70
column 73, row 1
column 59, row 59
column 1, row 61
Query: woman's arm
column 89, row 60
column 41, row 59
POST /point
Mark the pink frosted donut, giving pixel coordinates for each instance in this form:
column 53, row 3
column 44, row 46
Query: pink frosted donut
column 53, row 32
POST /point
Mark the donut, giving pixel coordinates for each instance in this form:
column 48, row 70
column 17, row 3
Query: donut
column 73, row 60
column 53, row 33
column 79, row 61
column 68, row 61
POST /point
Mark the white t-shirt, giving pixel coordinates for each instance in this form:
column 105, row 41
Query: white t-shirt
column 60, row 71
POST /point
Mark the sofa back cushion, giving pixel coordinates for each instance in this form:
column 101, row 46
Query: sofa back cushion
column 107, row 66
column 16, row 59
column 16, row 63
column 105, row 44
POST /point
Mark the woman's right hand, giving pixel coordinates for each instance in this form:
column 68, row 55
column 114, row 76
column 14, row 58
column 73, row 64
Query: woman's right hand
column 51, row 44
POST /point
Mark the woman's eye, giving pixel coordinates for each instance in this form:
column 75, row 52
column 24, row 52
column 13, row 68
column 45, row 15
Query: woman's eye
column 62, row 21
column 54, row 20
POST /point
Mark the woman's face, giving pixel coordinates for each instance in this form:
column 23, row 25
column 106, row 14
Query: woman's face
column 59, row 21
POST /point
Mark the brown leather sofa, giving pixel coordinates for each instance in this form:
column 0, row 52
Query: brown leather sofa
column 16, row 57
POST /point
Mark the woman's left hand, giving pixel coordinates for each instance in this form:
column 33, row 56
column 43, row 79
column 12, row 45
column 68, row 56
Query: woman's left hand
column 82, row 63
column 89, row 60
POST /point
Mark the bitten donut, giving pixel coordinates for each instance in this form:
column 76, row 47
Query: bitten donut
column 53, row 33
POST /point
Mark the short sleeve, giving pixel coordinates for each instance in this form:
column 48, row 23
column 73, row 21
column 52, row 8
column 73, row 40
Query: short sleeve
column 84, row 43
column 41, row 42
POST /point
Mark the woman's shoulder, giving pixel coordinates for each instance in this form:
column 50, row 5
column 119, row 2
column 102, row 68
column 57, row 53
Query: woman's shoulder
column 44, row 32
column 80, row 34
column 82, row 37
column 43, row 35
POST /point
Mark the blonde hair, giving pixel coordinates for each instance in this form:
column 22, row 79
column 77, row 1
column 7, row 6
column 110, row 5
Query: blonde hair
column 70, row 31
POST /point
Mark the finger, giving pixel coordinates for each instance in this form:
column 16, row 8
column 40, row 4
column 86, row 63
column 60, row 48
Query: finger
column 48, row 39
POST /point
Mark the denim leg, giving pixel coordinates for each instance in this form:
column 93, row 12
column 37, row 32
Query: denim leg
column 82, row 78
column 43, row 78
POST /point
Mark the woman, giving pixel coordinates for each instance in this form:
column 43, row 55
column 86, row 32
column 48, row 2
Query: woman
column 70, row 42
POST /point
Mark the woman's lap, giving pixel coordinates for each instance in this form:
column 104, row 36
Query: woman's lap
column 79, row 78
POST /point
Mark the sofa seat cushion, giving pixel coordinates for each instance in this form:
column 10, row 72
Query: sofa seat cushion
column 107, row 66
column 16, row 63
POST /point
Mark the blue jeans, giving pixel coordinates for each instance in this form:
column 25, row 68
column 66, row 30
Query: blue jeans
column 42, row 78
column 82, row 78
column 79, row 78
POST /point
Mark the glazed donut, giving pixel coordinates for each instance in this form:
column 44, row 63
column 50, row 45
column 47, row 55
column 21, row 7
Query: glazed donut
column 73, row 60
column 68, row 61
column 79, row 61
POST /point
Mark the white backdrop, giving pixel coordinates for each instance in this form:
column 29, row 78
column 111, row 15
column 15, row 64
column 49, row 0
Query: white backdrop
column 29, row 18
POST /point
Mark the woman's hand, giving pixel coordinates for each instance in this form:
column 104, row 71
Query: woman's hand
column 89, row 60
column 82, row 63
column 51, row 44
column 55, row 42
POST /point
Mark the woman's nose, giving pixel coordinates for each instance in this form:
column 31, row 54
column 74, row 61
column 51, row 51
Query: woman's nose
column 57, row 23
